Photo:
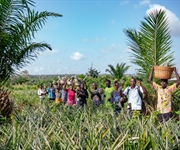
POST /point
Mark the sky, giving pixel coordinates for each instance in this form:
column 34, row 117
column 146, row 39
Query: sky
column 91, row 32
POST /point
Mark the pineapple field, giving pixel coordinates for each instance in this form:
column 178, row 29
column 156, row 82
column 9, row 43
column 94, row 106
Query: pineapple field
column 26, row 123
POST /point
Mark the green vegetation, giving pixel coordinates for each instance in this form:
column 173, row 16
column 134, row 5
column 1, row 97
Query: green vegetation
column 151, row 44
column 18, row 25
column 55, row 126
column 119, row 71
column 46, row 125
column 94, row 73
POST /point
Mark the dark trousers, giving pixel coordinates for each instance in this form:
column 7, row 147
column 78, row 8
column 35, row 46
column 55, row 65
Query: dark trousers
column 165, row 116
column 52, row 99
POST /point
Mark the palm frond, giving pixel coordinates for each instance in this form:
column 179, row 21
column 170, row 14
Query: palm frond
column 118, row 71
column 18, row 25
column 152, row 43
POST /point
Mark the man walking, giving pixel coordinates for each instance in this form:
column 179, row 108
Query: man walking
column 134, row 94
column 164, row 97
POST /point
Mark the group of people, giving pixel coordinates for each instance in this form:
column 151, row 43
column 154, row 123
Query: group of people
column 115, row 94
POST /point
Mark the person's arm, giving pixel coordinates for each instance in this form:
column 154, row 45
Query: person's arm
column 86, row 94
column 144, row 91
column 48, row 90
column 151, row 75
column 53, row 90
column 64, row 86
column 59, row 86
column 177, row 77
column 121, row 93
column 122, row 96
column 125, row 92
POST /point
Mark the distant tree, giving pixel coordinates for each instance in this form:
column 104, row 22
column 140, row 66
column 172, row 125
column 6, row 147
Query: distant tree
column 25, row 73
column 18, row 25
column 94, row 73
column 118, row 71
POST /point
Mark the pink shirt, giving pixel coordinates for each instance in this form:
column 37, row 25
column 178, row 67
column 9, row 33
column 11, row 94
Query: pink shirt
column 71, row 97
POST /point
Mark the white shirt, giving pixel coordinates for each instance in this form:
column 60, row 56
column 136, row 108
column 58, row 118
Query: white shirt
column 41, row 91
column 134, row 97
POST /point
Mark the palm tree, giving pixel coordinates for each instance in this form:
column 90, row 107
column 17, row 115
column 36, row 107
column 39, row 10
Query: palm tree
column 94, row 73
column 119, row 71
column 18, row 25
column 151, row 44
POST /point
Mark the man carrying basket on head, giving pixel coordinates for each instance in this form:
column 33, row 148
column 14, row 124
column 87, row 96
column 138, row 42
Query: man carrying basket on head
column 164, row 95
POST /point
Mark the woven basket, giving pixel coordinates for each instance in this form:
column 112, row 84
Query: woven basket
column 162, row 72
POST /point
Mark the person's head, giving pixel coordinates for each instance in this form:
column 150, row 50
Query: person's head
column 70, row 86
column 108, row 83
column 133, row 82
column 82, row 85
column 78, row 87
column 41, row 86
column 44, row 86
column 116, row 85
column 164, row 83
column 51, row 84
column 94, row 86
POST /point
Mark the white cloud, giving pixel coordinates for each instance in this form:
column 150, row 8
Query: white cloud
column 112, row 47
column 174, row 21
column 144, row 2
column 77, row 56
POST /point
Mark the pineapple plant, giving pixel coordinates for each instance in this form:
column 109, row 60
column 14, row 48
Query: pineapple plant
column 6, row 105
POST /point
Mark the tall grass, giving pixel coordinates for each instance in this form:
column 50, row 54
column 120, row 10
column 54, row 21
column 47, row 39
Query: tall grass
column 55, row 126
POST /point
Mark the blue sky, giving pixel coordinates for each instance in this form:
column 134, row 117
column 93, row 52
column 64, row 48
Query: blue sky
column 92, row 31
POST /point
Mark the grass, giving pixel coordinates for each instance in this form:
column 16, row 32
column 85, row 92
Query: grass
column 54, row 126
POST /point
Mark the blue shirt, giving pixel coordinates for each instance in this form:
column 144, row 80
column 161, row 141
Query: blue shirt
column 51, row 93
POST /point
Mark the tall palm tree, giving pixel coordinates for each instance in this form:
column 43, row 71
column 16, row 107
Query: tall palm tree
column 151, row 44
column 18, row 25
column 118, row 71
